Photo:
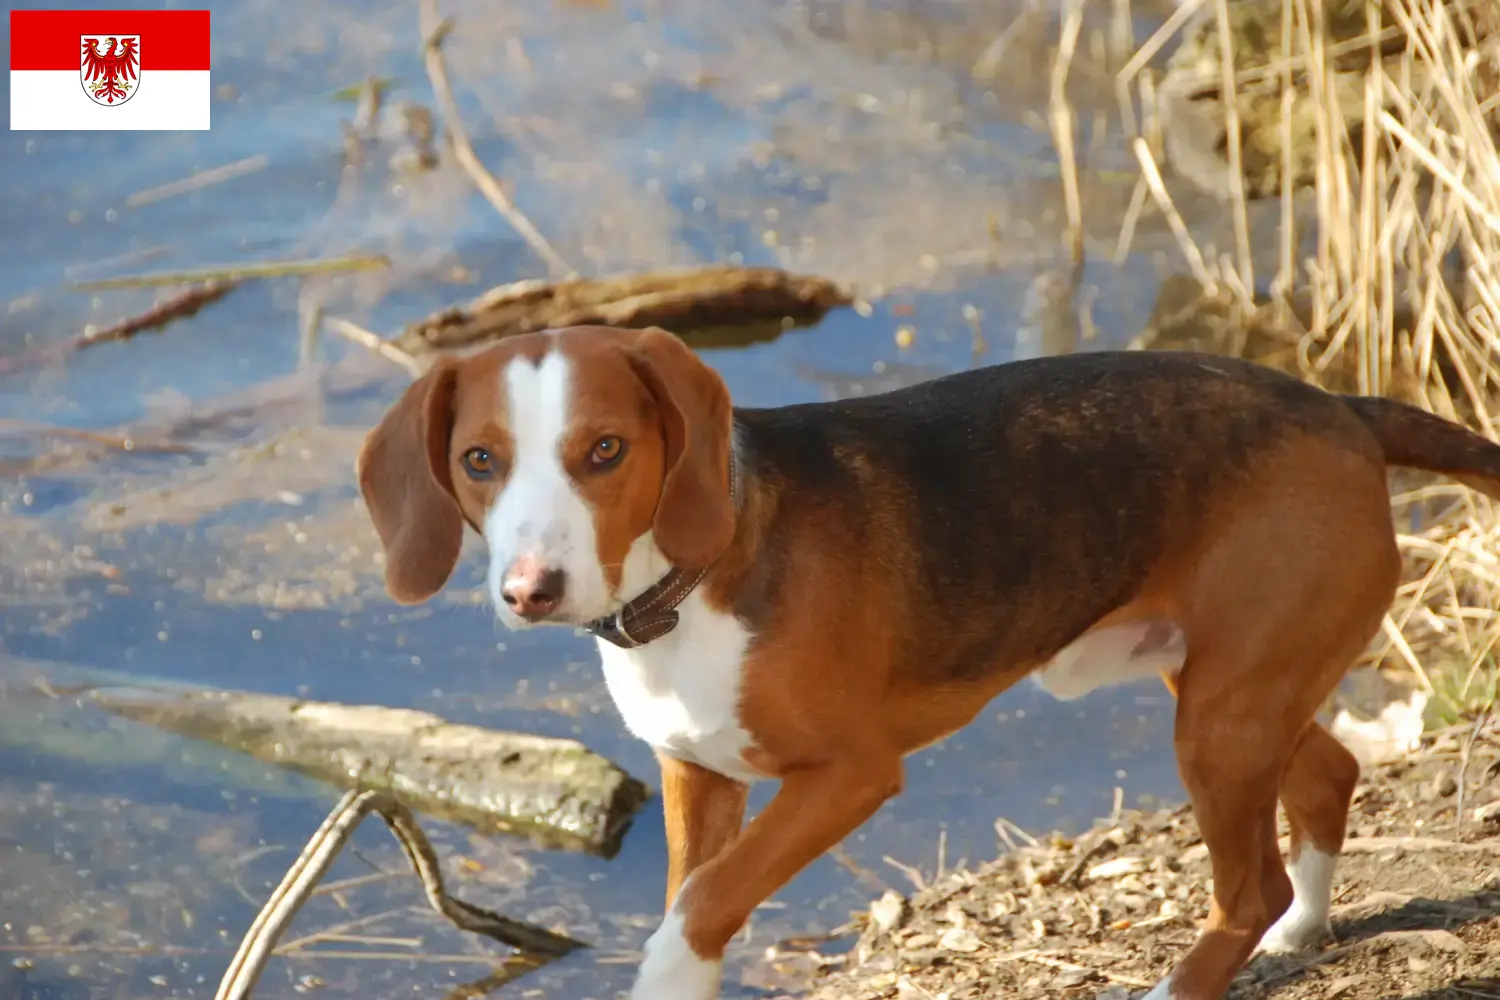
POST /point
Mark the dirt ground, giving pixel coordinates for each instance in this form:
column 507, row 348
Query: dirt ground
column 1416, row 904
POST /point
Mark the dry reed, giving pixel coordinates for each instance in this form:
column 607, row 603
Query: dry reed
column 1418, row 183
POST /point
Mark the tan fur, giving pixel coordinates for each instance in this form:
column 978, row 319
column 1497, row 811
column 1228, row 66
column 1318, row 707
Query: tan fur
column 1277, row 577
column 404, row 475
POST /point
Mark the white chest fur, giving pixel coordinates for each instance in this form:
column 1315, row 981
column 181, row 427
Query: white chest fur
column 681, row 692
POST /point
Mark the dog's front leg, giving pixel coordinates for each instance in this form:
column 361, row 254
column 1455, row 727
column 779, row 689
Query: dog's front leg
column 703, row 811
column 815, row 808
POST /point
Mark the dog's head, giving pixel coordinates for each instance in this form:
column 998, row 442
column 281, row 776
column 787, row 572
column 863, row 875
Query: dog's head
column 589, row 458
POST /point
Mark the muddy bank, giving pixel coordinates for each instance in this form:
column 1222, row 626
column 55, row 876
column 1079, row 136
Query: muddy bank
column 1416, row 903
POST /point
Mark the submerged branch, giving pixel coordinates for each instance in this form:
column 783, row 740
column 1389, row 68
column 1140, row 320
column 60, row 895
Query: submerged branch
column 433, row 34
column 537, row 944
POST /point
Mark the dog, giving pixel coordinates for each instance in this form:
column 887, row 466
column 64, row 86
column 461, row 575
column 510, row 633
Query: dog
column 809, row 593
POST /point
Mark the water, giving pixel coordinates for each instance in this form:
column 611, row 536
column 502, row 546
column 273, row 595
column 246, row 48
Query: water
column 850, row 140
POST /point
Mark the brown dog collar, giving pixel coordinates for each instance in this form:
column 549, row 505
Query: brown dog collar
column 653, row 613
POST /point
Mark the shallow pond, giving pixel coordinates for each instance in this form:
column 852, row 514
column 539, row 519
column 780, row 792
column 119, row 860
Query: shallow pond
column 898, row 145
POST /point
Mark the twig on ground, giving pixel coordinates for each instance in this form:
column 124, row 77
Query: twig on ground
column 254, row 952
column 374, row 342
column 859, row 871
column 1463, row 767
column 1057, row 963
column 1002, row 824
column 434, row 31
column 913, row 875
column 1086, row 853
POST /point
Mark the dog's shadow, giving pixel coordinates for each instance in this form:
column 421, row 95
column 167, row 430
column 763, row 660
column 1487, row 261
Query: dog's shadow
column 1420, row 928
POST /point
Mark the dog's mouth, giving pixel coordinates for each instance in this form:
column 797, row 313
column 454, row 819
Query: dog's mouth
column 563, row 616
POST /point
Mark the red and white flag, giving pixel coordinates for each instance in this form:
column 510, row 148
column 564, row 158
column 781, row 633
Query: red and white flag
column 113, row 70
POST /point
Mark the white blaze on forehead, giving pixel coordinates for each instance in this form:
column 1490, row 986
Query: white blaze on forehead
column 539, row 512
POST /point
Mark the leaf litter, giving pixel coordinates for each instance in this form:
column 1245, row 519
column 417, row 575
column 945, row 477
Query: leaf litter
column 1107, row 913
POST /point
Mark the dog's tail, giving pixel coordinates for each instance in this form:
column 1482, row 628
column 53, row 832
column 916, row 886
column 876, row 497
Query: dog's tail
column 1415, row 439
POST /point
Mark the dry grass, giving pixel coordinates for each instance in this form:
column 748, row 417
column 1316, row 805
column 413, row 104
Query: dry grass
column 1420, row 182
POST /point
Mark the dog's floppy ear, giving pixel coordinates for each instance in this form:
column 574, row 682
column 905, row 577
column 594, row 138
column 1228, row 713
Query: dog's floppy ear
column 694, row 520
column 407, row 484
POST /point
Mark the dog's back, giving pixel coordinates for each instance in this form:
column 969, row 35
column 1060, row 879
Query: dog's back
column 1035, row 497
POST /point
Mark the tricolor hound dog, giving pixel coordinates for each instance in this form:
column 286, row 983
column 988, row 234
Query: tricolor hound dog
column 810, row 593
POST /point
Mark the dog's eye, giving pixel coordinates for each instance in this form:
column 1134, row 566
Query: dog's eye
column 607, row 451
column 478, row 463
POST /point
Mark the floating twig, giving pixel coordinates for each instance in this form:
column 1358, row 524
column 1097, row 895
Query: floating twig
column 180, row 306
column 114, row 441
column 350, row 330
column 239, row 272
column 537, row 944
column 198, row 181
column 1466, row 754
column 434, row 31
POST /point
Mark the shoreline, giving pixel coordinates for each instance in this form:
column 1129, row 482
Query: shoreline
column 1107, row 913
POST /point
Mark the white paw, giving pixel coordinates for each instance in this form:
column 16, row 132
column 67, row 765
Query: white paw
column 671, row 970
column 1305, row 923
column 1297, row 930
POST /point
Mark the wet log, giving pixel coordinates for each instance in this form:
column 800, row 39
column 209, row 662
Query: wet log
column 555, row 792
column 698, row 304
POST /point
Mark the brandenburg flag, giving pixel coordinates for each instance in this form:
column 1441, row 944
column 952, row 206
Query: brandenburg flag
column 116, row 70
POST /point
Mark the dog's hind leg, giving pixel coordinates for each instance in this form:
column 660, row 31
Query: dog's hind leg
column 1275, row 610
column 1315, row 792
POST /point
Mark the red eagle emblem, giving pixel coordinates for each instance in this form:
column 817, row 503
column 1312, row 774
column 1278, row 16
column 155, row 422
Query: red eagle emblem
column 111, row 74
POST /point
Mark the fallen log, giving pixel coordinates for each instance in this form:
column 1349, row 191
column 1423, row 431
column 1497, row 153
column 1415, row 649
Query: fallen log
column 698, row 304
column 555, row 792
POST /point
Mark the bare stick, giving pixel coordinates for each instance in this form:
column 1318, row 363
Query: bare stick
column 373, row 341
column 1061, row 119
column 250, row 960
column 466, row 916
column 118, row 442
column 1164, row 34
column 1463, row 767
column 1236, row 159
column 179, row 306
column 198, row 181
column 238, row 272
column 433, row 33
column 271, row 922
column 1174, row 220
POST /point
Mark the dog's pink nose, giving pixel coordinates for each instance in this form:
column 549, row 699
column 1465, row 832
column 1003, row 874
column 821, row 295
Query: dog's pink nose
column 531, row 589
